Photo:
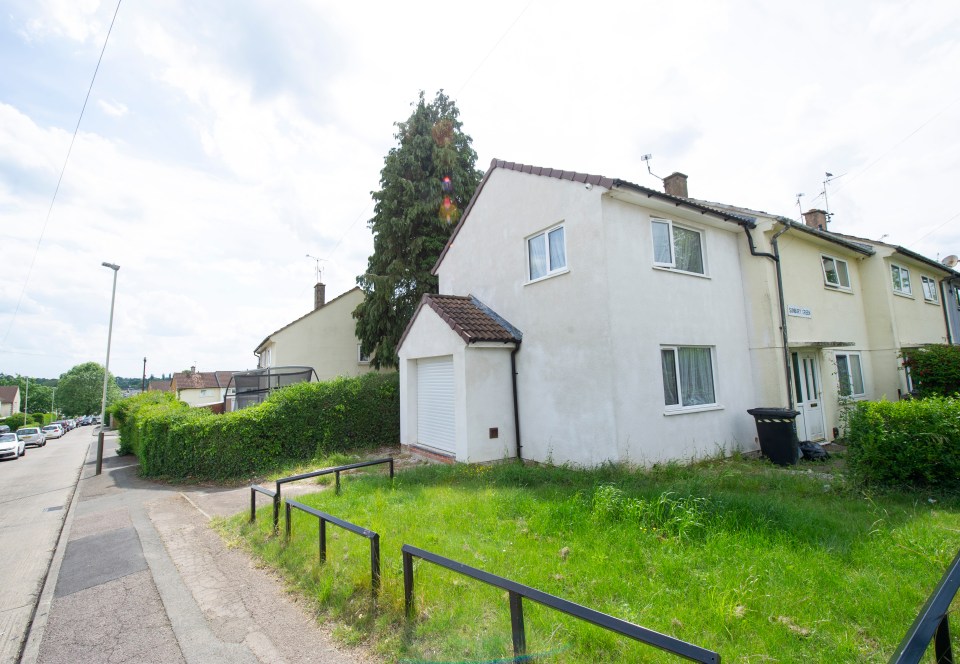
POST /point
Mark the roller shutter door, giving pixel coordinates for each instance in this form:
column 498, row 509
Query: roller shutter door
column 435, row 409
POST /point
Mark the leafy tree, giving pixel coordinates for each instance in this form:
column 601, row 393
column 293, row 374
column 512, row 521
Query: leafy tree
column 80, row 390
column 426, row 182
column 41, row 392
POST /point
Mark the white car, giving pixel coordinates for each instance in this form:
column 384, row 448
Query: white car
column 53, row 431
column 32, row 436
column 11, row 446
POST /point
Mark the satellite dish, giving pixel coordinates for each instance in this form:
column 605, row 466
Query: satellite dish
column 951, row 260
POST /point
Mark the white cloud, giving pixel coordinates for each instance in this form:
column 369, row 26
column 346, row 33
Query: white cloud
column 250, row 137
column 112, row 108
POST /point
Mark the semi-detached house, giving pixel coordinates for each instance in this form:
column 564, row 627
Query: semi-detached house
column 586, row 319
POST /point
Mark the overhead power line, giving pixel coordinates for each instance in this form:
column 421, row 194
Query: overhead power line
column 63, row 169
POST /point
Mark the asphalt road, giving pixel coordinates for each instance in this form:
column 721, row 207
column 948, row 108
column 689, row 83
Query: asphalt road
column 35, row 491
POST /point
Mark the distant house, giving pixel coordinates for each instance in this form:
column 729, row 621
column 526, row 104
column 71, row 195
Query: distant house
column 159, row 386
column 200, row 388
column 9, row 400
column 324, row 339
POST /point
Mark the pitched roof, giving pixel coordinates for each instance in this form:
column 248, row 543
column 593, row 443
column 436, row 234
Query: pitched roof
column 194, row 380
column 585, row 178
column 158, row 386
column 8, row 393
column 320, row 308
column 903, row 251
column 470, row 318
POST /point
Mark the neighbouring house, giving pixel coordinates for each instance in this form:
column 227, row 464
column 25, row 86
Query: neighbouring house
column 200, row 388
column 9, row 400
column 324, row 339
column 159, row 386
column 586, row 319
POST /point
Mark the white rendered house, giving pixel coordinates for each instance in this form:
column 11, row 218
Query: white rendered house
column 623, row 331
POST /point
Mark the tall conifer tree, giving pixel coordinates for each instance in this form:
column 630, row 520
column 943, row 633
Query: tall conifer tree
column 426, row 182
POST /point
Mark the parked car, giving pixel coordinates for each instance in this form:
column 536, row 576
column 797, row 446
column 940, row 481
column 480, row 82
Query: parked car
column 11, row 446
column 32, row 436
column 53, row 431
column 4, row 428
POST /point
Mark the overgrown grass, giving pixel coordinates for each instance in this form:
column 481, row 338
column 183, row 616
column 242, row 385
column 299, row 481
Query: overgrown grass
column 755, row 562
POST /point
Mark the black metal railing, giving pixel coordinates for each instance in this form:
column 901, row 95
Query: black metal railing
column 336, row 470
column 932, row 624
column 254, row 490
column 346, row 525
column 518, row 591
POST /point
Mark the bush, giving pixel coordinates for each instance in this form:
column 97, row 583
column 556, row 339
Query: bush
column 294, row 424
column 912, row 443
column 934, row 370
column 18, row 420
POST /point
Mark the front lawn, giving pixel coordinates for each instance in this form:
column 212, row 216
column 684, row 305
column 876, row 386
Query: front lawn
column 758, row 563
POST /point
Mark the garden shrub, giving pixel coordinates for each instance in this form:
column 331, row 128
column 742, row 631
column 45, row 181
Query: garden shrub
column 934, row 369
column 294, row 424
column 18, row 420
column 910, row 443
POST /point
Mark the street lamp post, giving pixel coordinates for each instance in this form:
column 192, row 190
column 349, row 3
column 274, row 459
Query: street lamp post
column 106, row 370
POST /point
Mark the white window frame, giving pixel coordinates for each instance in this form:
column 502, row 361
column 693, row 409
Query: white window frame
column 672, row 264
column 679, row 407
column 552, row 271
column 901, row 272
column 931, row 285
column 203, row 392
column 851, row 385
column 836, row 263
column 360, row 357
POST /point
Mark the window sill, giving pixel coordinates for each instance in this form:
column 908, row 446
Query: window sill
column 838, row 289
column 693, row 409
column 547, row 276
column 664, row 268
column 909, row 296
column 933, row 302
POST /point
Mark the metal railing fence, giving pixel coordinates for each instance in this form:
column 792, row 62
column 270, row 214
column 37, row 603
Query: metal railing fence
column 519, row 591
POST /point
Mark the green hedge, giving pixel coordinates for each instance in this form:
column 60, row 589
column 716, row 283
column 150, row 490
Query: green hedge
column 910, row 443
column 934, row 369
column 295, row 423
column 18, row 420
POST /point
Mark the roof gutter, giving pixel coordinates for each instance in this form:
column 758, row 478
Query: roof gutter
column 775, row 257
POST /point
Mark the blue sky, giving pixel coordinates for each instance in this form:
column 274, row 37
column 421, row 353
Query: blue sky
column 223, row 141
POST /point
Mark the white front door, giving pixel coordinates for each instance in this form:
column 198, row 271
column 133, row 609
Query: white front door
column 807, row 390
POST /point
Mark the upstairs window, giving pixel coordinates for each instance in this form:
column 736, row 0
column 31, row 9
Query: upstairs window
column 835, row 272
column 929, row 289
column 850, row 374
column 901, row 280
column 677, row 247
column 687, row 376
column 546, row 253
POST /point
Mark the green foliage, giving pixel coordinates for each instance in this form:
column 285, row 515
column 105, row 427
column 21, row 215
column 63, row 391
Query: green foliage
column 413, row 218
column 934, row 369
column 295, row 423
column 80, row 390
column 750, row 560
column 18, row 420
column 906, row 443
column 40, row 392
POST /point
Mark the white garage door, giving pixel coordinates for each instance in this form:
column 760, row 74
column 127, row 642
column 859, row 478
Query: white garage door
column 435, row 413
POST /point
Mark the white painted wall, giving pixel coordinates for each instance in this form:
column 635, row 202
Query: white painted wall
column 195, row 396
column 590, row 385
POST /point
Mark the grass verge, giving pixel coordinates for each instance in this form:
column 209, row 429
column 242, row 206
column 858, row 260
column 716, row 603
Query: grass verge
column 755, row 562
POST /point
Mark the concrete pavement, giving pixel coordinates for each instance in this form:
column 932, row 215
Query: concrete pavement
column 35, row 492
column 138, row 576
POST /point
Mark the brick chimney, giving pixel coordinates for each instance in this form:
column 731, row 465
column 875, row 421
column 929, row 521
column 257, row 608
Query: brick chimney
column 675, row 184
column 816, row 219
column 319, row 295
